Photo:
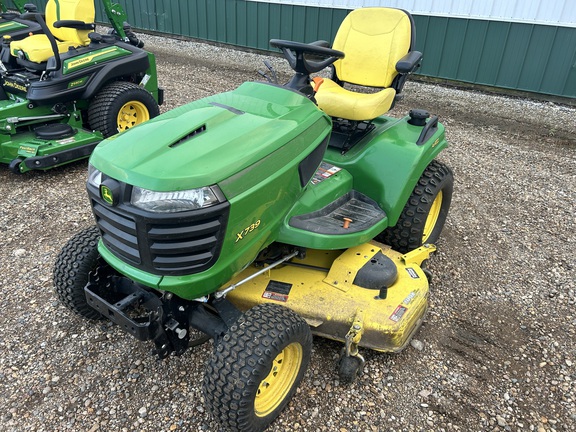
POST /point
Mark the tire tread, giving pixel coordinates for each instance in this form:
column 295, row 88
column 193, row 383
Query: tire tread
column 406, row 235
column 104, row 108
column 73, row 264
column 231, row 375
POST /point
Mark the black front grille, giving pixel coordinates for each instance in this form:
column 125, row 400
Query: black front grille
column 180, row 246
column 164, row 244
column 119, row 233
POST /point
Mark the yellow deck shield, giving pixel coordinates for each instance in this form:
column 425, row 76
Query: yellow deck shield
column 320, row 288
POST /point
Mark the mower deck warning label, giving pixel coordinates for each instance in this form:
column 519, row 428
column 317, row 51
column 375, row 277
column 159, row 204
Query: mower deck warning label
column 398, row 313
column 277, row 290
column 412, row 273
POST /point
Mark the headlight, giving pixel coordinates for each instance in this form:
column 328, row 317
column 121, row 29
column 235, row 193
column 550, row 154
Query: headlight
column 94, row 176
column 172, row 202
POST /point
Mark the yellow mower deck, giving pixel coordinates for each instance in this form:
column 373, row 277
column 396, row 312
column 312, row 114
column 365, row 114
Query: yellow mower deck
column 320, row 289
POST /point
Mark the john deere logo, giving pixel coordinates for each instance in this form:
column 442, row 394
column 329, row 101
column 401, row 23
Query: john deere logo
column 110, row 191
column 107, row 195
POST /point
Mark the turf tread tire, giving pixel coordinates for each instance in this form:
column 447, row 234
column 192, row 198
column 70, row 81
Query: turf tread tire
column 74, row 262
column 407, row 234
column 104, row 108
column 242, row 359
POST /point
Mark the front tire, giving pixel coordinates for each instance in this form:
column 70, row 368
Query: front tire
column 120, row 106
column 256, row 367
column 425, row 213
column 76, row 260
column 15, row 165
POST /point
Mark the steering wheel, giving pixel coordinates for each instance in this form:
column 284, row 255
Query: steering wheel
column 294, row 53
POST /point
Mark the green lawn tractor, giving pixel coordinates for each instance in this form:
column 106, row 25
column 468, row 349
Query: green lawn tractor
column 67, row 87
column 258, row 217
column 11, row 22
column 16, row 6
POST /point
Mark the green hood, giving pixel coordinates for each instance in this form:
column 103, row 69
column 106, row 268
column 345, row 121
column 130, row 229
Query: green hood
column 208, row 140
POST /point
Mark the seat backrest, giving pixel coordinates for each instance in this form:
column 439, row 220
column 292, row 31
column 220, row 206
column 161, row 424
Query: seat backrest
column 79, row 10
column 373, row 39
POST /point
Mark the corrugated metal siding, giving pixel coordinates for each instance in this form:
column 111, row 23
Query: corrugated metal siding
column 513, row 55
column 516, row 56
column 557, row 12
column 237, row 22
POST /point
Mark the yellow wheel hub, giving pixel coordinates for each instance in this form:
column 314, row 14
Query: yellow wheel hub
column 275, row 387
column 131, row 114
column 432, row 217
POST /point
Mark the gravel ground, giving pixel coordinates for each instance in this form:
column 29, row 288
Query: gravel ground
column 498, row 349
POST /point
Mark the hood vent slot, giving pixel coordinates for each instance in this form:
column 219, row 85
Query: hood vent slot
column 189, row 136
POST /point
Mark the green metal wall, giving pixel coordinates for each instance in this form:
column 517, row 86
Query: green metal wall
column 518, row 56
column 236, row 22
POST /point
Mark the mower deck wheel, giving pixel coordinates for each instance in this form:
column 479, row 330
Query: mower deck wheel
column 76, row 260
column 424, row 214
column 349, row 368
column 14, row 166
column 120, row 106
column 256, row 367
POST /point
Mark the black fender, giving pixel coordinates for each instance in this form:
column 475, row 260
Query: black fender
column 30, row 27
column 59, row 87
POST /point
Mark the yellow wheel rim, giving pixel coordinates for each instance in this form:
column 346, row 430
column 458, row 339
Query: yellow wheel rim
column 131, row 114
column 432, row 217
column 275, row 387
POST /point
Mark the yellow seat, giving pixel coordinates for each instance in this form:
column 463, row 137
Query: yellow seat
column 37, row 48
column 378, row 45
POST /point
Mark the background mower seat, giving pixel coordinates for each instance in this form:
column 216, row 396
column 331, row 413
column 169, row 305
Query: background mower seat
column 378, row 45
column 61, row 15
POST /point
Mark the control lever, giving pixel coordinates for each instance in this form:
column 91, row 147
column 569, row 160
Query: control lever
column 273, row 79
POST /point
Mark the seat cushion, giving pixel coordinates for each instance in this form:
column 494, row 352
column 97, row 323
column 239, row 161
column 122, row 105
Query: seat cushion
column 373, row 39
column 37, row 48
column 336, row 101
column 79, row 10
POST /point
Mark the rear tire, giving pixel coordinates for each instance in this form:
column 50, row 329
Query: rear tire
column 120, row 106
column 424, row 214
column 256, row 367
column 76, row 260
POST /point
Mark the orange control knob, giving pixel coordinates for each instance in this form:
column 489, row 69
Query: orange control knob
column 346, row 223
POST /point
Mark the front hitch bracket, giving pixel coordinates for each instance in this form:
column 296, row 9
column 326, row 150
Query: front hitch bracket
column 161, row 317
column 139, row 311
